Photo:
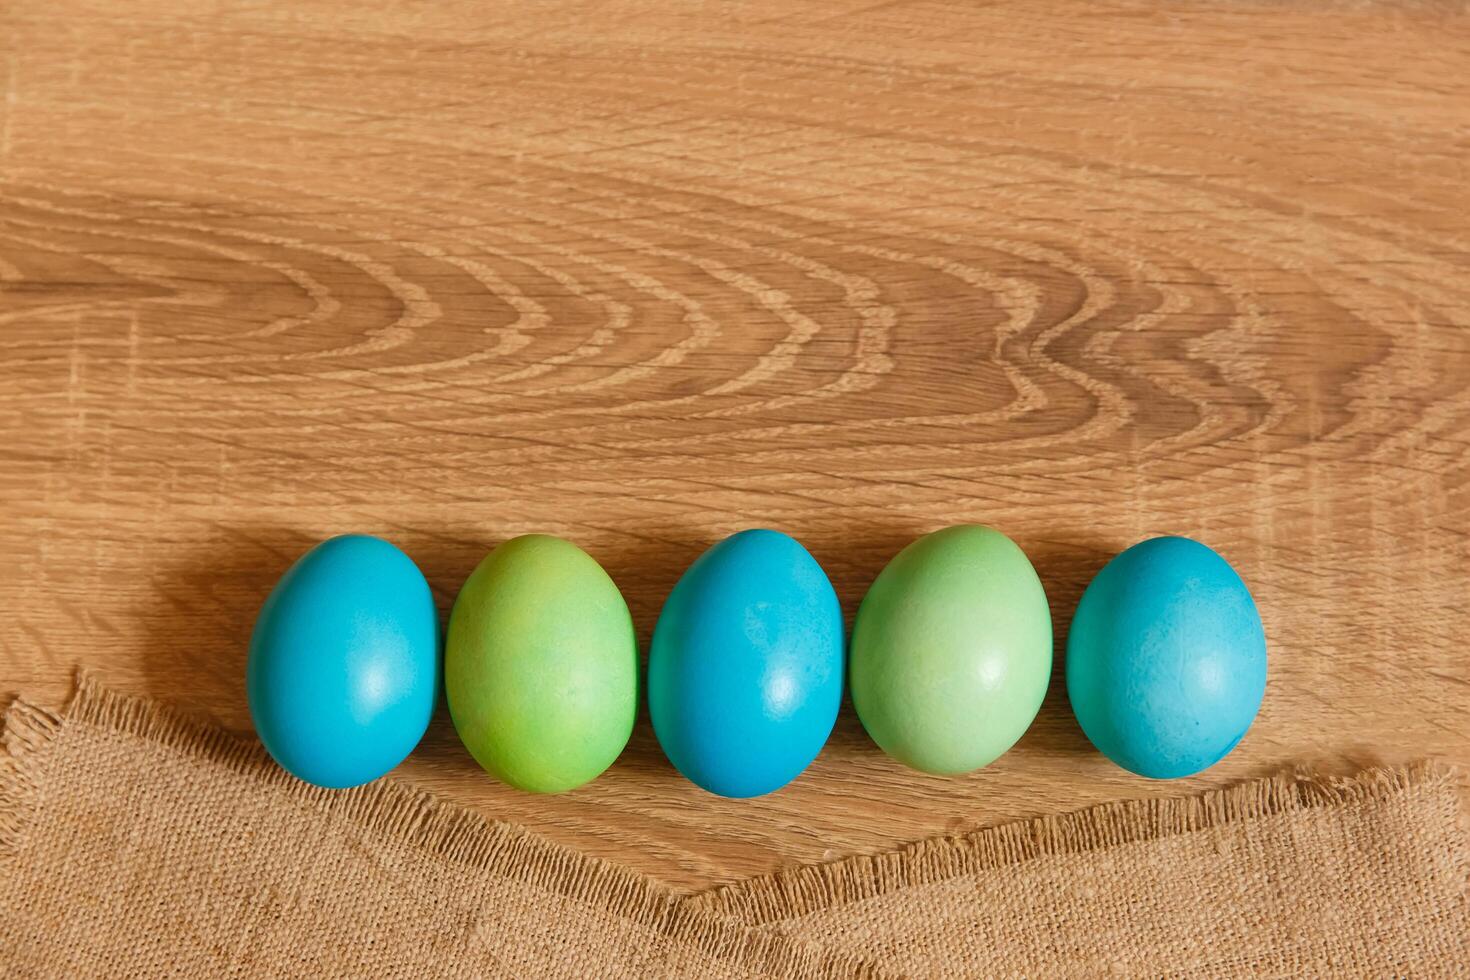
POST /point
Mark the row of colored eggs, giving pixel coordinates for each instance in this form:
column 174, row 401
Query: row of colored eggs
column 950, row 657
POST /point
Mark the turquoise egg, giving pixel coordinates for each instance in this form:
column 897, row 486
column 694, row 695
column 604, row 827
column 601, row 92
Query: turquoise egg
column 745, row 669
column 344, row 662
column 1166, row 659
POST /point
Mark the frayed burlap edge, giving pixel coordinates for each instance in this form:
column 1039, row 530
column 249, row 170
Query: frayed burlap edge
column 795, row 892
column 24, row 730
column 387, row 808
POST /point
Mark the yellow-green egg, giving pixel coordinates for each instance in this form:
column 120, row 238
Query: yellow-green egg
column 541, row 665
column 951, row 650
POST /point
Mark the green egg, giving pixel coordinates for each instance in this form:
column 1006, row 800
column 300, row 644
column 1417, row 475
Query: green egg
column 541, row 665
column 951, row 650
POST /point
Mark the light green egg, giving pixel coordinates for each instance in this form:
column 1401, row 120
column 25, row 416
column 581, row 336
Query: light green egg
column 951, row 650
column 541, row 665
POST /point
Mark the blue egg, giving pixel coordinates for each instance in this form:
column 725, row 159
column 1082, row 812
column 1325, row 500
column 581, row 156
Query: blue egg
column 1166, row 659
column 745, row 670
column 344, row 662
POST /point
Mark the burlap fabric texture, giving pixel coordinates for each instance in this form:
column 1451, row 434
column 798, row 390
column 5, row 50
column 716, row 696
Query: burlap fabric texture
column 137, row 842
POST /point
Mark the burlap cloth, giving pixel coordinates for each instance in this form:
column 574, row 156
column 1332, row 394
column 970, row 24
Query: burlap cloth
column 136, row 842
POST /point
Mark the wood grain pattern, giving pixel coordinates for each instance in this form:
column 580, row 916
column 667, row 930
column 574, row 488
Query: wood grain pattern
column 642, row 274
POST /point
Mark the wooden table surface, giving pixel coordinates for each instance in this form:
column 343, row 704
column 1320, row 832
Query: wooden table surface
column 642, row 274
